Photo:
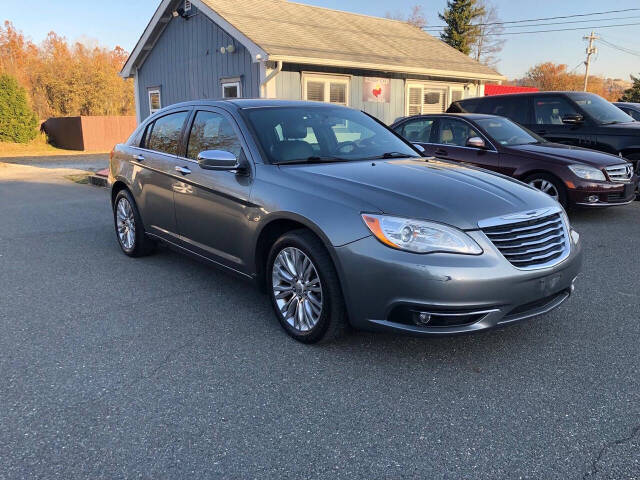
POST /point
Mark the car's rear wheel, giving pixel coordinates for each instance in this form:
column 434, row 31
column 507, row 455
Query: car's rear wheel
column 129, row 228
column 304, row 288
column 550, row 185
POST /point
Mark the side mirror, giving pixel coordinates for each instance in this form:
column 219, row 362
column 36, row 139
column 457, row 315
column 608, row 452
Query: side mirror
column 476, row 142
column 218, row 160
column 419, row 147
column 572, row 119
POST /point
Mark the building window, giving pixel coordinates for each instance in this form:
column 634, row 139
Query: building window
column 155, row 101
column 423, row 98
column 232, row 89
column 325, row 88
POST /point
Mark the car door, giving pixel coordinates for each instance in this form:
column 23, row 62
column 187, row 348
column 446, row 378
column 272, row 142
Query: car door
column 450, row 142
column 212, row 206
column 548, row 111
column 419, row 131
column 154, row 162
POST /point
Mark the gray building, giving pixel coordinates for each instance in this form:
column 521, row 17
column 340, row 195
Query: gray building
column 280, row 49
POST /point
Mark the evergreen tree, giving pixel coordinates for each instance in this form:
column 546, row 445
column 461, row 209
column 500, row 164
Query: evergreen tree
column 17, row 121
column 460, row 33
column 633, row 93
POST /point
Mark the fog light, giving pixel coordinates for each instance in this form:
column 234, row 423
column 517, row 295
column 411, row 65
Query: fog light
column 422, row 318
column 592, row 198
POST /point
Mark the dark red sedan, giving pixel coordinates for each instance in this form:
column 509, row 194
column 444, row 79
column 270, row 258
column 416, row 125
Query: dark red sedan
column 574, row 176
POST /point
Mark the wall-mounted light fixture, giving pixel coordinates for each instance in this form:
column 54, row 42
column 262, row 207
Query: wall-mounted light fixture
column 181, row 12
column 227, row 49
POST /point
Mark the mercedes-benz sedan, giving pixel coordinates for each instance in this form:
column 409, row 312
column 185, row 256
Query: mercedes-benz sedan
column 340, row 220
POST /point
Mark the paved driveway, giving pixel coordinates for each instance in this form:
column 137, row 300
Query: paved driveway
column 165, row 368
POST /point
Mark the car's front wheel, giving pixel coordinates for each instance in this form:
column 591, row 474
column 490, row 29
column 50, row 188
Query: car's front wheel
column 129, row 228
column 550, row 185
column 304, row 288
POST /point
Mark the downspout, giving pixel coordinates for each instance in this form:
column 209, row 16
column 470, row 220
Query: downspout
column 268, row 78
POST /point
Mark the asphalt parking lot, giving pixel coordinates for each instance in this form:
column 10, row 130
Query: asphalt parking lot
column 162, row 367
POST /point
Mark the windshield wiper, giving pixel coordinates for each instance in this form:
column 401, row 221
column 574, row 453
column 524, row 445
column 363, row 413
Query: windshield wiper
column 313, row 159
column 388, row 155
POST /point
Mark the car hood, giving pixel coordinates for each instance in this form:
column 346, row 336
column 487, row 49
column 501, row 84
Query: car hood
column 422, row 188
column 567, row 154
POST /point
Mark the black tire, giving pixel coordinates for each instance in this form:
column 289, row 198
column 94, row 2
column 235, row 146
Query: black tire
column 557, row 184
column 142, row 245
column 332, row 322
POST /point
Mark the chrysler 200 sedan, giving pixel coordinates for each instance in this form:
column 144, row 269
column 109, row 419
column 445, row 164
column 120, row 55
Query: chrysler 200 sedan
column 340, row 220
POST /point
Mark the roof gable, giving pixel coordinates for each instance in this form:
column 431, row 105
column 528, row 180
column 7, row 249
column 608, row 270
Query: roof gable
column 294, row 32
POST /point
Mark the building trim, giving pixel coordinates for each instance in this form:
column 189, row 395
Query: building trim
column 387, row 68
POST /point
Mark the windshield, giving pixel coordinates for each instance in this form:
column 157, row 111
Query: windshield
column 507, row 133
column 322, row 133
column 599, row 109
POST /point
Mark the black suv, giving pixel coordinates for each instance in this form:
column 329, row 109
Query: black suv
column 573, row 118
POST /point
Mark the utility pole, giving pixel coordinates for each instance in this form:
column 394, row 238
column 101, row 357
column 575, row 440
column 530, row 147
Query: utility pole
column 591, row 50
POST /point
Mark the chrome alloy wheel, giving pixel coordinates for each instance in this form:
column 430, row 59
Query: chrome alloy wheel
column 125, row 223
column 545, row 186
column 297, row 289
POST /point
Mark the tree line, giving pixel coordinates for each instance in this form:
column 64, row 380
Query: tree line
column 66, row 79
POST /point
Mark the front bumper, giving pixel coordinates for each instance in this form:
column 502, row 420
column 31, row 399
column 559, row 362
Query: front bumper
column 384, row 287
column 605, row 194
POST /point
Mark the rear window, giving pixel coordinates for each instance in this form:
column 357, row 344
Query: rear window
column 164, row 134
column 469, row 105
column 515, row 108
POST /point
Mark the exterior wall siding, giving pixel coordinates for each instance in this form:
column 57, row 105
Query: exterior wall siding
column 289, row 87
column 186, row 64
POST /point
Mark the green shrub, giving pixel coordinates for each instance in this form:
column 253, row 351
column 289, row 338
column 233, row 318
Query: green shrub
column 18, row 123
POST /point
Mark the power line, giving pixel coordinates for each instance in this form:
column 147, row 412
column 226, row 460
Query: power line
column 561, row 29
column 635, row 53
column 556, row 23
column 548, row 18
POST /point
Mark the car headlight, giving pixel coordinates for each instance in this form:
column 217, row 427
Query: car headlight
column 418, row 236
column 588, row 173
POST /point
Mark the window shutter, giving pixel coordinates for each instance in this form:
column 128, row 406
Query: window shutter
column 338, row 93
column 415, row 100
column 315, row 91
column 433, row 101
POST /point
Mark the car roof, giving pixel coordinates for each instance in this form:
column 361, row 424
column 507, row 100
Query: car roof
column 246, row 103
column 525, row 94
column 469, row 116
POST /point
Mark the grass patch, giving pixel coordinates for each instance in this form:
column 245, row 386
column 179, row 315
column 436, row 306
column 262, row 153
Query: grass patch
column 82, row 178
column 36, row 148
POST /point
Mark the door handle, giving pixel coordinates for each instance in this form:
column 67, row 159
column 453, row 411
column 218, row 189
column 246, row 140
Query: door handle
column 183, row 170
column 441, row 151
column 138, row 158
column 541, row 132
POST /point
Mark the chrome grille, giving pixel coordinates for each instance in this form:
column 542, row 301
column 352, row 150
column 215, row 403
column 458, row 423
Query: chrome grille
column 540, row 242
column 620, row 173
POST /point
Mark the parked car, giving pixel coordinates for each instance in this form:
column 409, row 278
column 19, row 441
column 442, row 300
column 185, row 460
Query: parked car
column 631, row 109
column 341, row 220
column 572, row 118
column 573, row 176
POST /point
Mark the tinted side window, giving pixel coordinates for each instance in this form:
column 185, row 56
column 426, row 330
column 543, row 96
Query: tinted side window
column 632, row 113
column 418, row 131
column 470, row 105
column 515, row 108
column 212, row 131
column 550, row 110
column 455, row 132
column 164, row 135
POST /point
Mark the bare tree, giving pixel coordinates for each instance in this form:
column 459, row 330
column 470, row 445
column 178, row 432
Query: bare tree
column 487, row 43
column 416, row 18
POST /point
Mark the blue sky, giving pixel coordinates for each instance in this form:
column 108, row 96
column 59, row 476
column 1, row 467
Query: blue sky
column 120, row 22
